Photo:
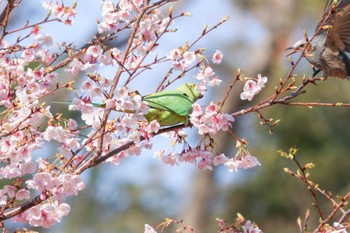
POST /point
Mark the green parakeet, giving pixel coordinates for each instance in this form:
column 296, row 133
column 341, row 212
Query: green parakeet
column 172, row 107
column 169, row 107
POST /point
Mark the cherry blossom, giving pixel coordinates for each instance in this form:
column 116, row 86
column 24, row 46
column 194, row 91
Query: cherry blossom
column 207, row 76
column 211, row 120
column 246, row 162
column 217, row 57
column 175, row 54
column 252, row 87
column 45, row 215
column 189, row 57
column 22, row 195
column 149, row 229
column 249, row 227
column 95, row 51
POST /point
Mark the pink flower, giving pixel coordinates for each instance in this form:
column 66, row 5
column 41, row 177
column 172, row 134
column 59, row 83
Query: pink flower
column 189, row 57
column 137, row 2
column 179, row 65
column 249, row 161
column 75, row 67
column 54, row 133
column 72, row 124
column 214, row 82
column 28, row 168
column 212, row 120
column 196, row 110
column 71, row 184
column 246, row 162
column 231, row 165
column 107, row 7
column 261, row 81
column 167, row 159
column 217, row 57
column 10, row 190
column 41, row 182
column 249, row 227
column 250, row 89
column 206, row 76
column 149, row 229
column 94, row 51
column 175, row 55
column 338, row 228
column 45, row 215
column 153, row 127
column 220, row 159
column 22, row 194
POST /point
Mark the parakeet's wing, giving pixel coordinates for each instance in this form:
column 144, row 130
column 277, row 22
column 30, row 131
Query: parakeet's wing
column 99, row 105
column 174, row 101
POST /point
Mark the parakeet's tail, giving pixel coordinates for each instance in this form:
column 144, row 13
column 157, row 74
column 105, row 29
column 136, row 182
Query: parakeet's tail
column 98, row 105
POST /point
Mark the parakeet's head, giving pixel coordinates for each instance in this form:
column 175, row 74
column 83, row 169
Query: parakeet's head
column 190, row 89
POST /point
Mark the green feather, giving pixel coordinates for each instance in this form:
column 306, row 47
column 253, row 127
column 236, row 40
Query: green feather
column 169, row 107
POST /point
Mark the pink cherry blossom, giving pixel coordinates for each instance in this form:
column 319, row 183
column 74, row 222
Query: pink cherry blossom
column 175, row 55
column 75, row 67
column 220, row 159
column 189, row 57
column 22, row 194
column 167, row 159
column 217, row 57
column 249, row 227
column 211, row 120
column 261, row 81
column 207, row 76
column 246, row 162
column 149, row 229
column 107, row 7
column 215, row 81
column 42, row 181
column 231, row 165
column 153, row 127
column 180, row 65
column 45, row 215
column 72, row 124
column 249, row 161
column 252, row 87
column 94, row 51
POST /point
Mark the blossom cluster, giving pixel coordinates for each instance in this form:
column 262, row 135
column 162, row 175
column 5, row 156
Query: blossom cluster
column 241, row 226
column 205, row 159
column 233, row 164
column 253, row 87
column 62, row 12
column 25, row 79
column 207, row 76
column 337, row 228
column 210, row 120
column 202, row 158
column 45, row 215
column 58, row 187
